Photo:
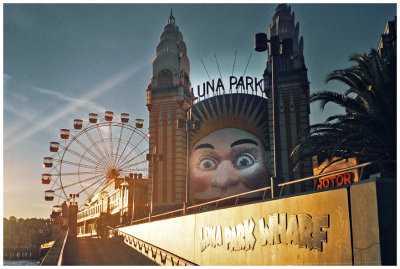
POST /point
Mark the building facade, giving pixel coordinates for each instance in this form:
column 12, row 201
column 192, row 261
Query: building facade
column 388, row 38
column 168, row 97
column 293, row 97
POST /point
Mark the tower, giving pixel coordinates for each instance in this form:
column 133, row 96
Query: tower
column 293, row 97
column 168, row 97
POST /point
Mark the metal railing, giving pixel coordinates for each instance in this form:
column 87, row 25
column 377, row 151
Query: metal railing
column 228, row 201
column 362, row 166
column 55, row 254
column 150, row 247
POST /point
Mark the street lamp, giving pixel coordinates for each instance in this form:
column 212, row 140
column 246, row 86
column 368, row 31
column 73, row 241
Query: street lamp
column 261, row 44
column 190, row 125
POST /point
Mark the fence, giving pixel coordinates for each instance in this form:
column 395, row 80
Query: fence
column 275, row 188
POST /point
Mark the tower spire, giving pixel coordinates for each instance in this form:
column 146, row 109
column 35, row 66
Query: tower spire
column 171, row 19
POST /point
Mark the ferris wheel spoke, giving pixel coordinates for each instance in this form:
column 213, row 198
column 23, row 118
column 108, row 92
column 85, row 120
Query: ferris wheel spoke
column 133, row 164
column 55, row 178
column 126, row 145
column 111, row 145
column 79, row 182
column 84, row 189
column 104, row 145
column 56, row 161
column 55, row 183
column 86, row 148
column 127, row 155
column 119, row 142
column 60, row 196
column 79, row 155
column 124, row 164
column 79, row 164
column 96, row 147
column 81, row 173
column 101, row 184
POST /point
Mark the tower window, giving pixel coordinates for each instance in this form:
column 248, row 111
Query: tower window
column 165, row 79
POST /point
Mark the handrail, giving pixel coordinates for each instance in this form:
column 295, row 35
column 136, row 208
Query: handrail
column 153, row 246
column 59, row 262
column 334, row 172
column 230, row 197
column 184, row 210
column 55, row 253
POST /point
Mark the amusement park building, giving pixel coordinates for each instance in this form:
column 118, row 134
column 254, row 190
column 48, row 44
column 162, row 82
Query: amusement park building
column 388, row 38
column 168, row 98
column 293, row 97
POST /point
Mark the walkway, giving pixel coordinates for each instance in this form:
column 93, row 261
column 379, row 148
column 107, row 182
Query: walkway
column 95, row 251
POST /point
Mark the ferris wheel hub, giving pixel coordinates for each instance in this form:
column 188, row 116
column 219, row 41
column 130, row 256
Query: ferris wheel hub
column 112, row 174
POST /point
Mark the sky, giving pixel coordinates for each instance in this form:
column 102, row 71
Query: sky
column 64, row 61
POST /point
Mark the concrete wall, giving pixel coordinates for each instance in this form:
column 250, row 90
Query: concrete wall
column 373, row 211
column 333, row 221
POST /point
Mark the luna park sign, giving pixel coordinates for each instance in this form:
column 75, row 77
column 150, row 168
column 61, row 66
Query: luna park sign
column 235, row 83
column 302, row 230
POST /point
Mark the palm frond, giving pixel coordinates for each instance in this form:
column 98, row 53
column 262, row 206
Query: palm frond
column 367, row 130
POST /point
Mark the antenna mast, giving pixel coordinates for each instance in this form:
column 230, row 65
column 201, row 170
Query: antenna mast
column 205, row 69
column 234, row 61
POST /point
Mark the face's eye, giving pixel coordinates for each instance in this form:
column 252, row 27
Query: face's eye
column 207, row 164
column 244, row 161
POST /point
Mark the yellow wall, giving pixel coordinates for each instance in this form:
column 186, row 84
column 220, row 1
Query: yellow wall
column 181, row 235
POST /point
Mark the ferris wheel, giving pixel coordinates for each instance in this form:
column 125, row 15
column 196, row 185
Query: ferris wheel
column 92, row 154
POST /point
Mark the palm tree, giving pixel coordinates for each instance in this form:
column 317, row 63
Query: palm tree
column 367, row 130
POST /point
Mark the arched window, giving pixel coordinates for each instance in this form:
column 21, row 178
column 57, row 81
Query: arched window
column 165, row 79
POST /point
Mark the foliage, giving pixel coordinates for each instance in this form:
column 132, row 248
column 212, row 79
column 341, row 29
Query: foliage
column 367, row 130
column 25, row 232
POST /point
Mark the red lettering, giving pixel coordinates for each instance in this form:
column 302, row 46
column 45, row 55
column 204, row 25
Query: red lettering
column 347, row 178
column 332, row 179
column 319, row 187
column 326, row 180
column 339, row 183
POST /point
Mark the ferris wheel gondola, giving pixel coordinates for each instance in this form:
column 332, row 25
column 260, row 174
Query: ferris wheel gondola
column 94, row 153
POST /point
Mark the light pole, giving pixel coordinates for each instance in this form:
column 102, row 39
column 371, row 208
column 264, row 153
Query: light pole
column 153, row 157
column 261, row 44
column 190, row 126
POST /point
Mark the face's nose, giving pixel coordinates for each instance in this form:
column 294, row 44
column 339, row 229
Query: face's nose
column 225, row 175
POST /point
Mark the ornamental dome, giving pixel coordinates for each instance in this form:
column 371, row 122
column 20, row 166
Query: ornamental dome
column 171, row 63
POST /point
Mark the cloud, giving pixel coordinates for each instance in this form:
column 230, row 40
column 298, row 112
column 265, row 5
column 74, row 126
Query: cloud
column 61, row 96
column 6, row 79
column 21, row 98
column 22, row 113
column 78, row 102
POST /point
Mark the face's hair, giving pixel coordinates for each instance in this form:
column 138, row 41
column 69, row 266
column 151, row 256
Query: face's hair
column 242, row 111
column 226, row 162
